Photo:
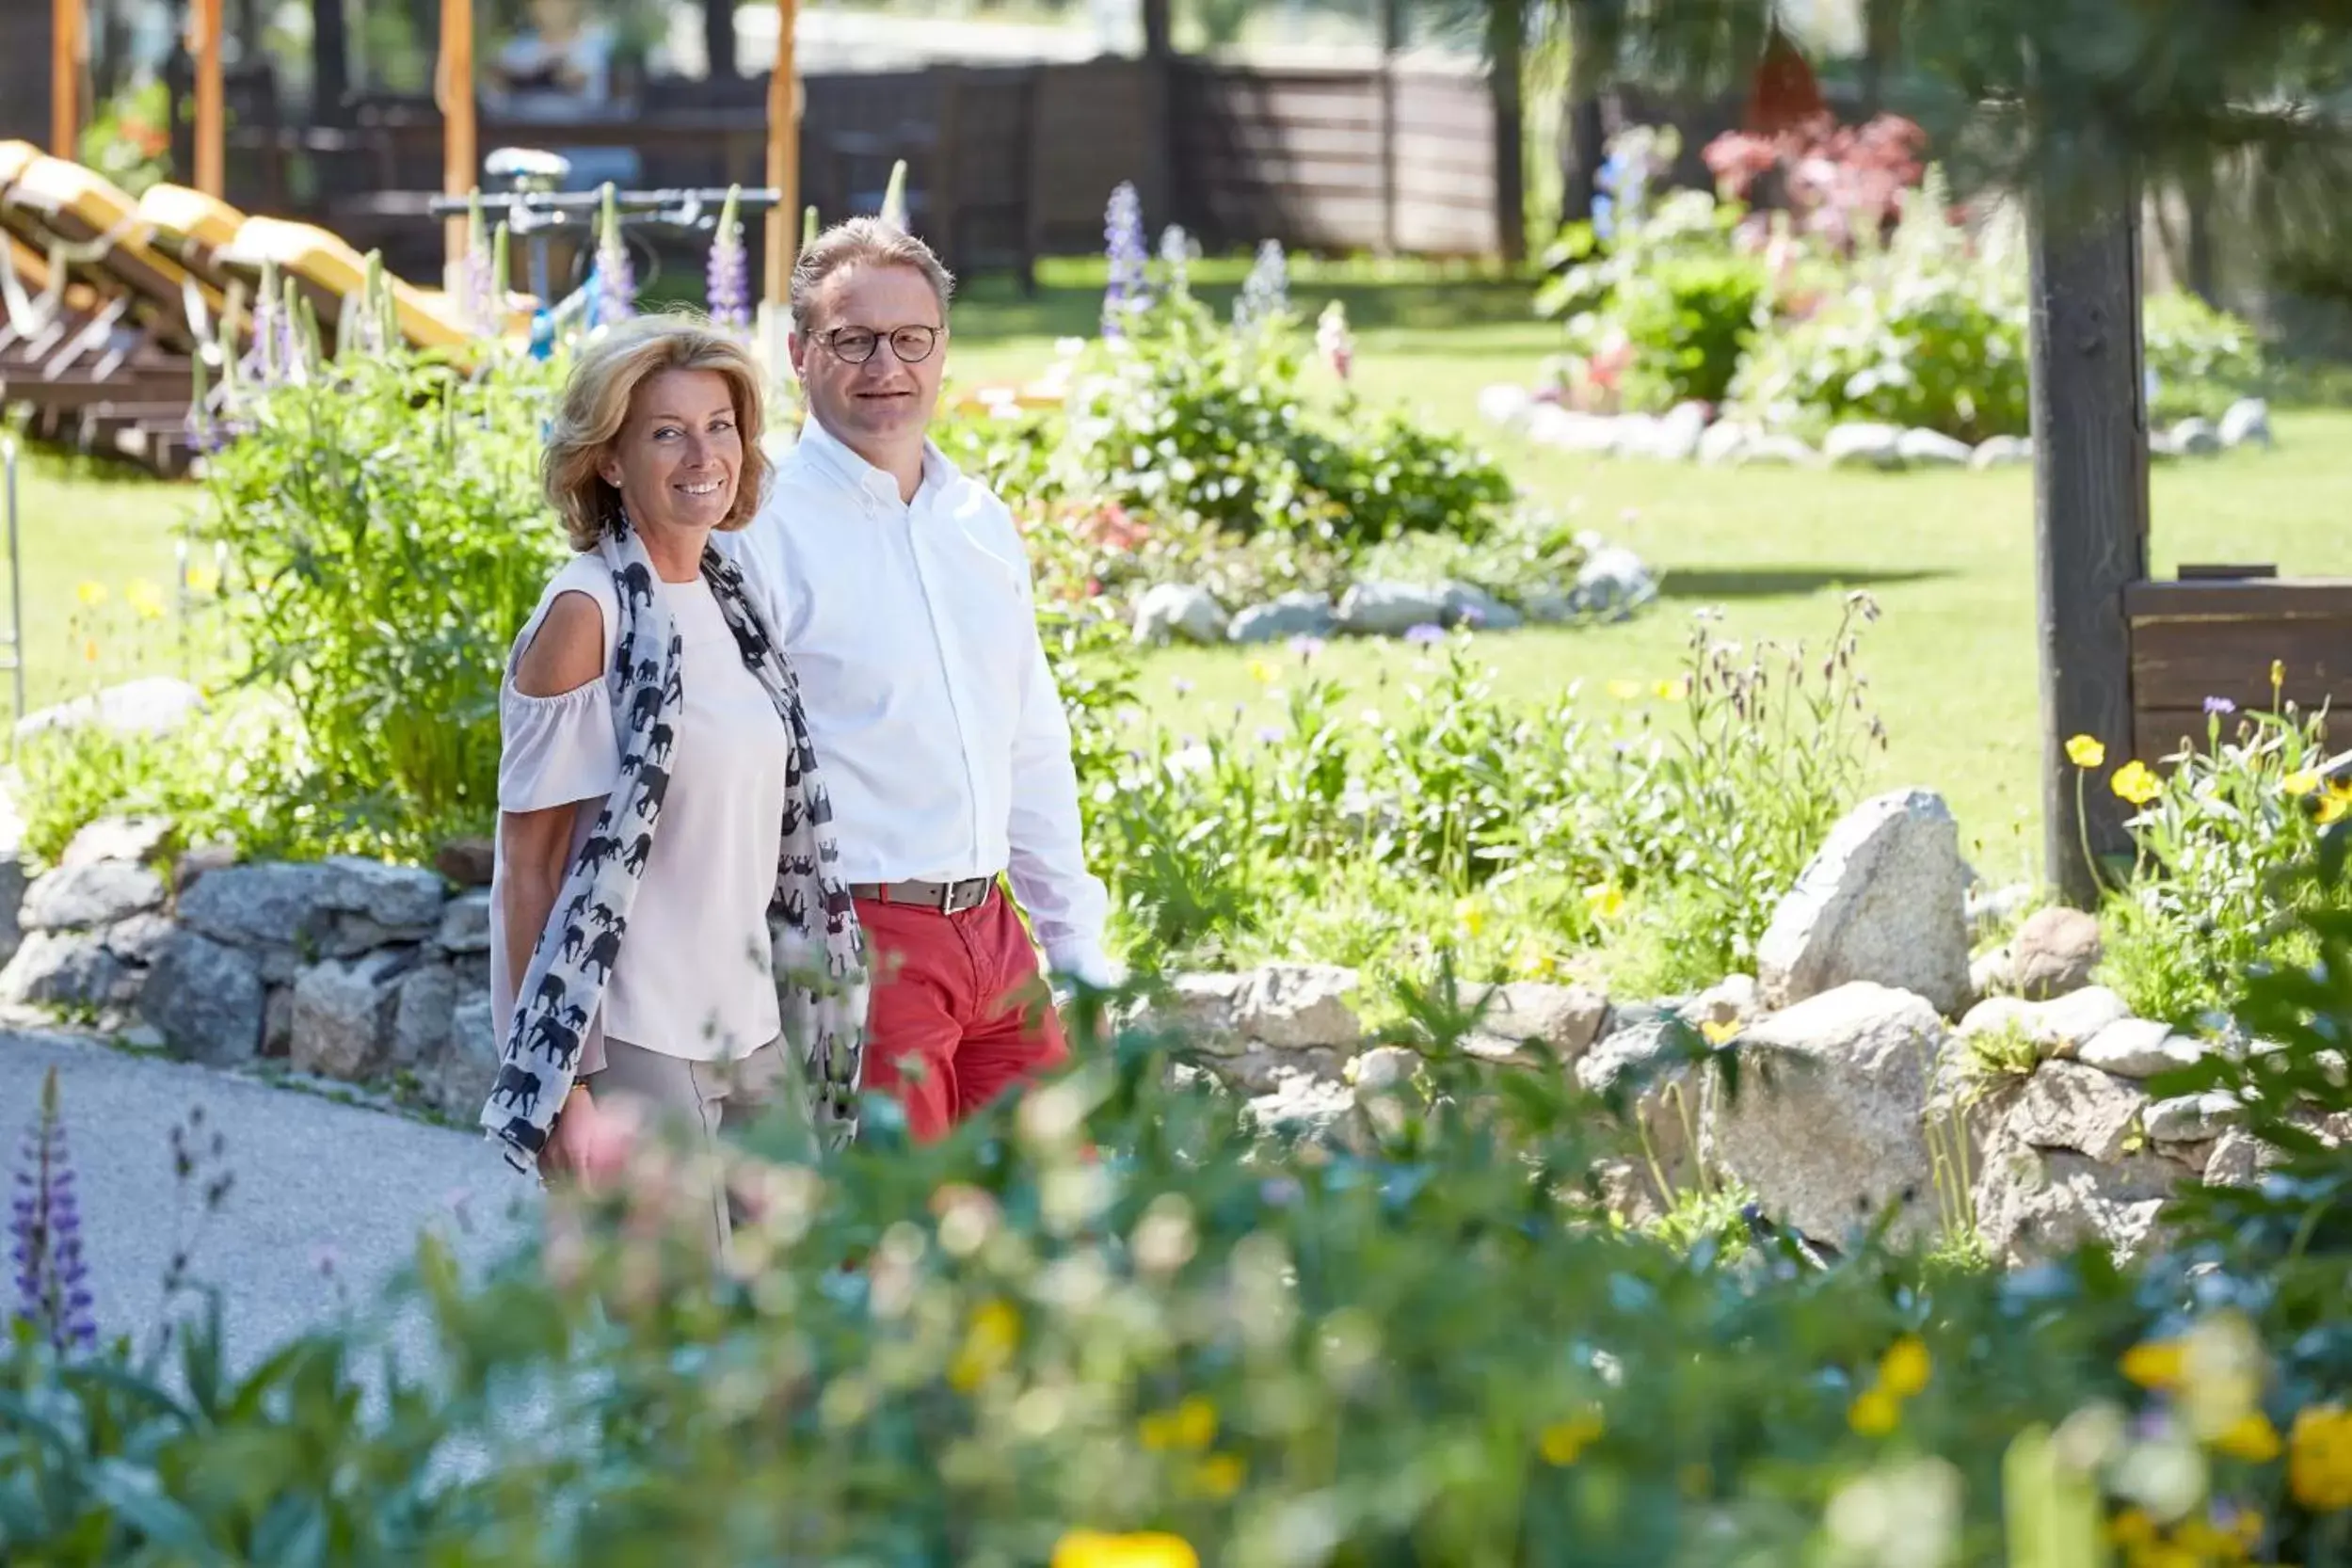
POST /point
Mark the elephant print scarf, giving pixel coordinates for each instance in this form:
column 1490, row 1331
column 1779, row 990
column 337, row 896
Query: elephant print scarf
column 819, row 950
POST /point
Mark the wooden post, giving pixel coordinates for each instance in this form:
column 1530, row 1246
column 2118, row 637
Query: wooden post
column 718, row 37
column 1391, row 39
column 783, row 161
column 210, row 121
column 65, row 77
column 1581, row 129
column 1506, row 55
column 331, row 62
column 2091, row 508
column 455, row 88
column 1155, row 178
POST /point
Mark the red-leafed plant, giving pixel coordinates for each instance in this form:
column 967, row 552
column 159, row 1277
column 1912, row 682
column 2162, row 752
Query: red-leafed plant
column 1839, row 181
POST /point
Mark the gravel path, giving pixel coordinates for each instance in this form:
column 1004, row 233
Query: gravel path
column 326, row 1203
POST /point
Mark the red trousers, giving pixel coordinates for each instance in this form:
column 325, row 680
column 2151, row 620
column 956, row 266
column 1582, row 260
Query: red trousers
column 960, row 1012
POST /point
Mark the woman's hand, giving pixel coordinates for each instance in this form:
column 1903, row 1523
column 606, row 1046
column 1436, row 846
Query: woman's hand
column 577, row 1147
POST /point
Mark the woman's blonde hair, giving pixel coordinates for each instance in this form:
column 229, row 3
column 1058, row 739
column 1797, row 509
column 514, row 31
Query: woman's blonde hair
column 595, row 406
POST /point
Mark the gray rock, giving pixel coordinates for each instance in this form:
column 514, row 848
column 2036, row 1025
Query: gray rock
column 194, row 864
column 1991, row 974
column 2054, row 952
column 2032, row 1204
column 2246, row 423
column 1467, row 604
column 465, row 925
column 2002, row 452
column 470, row 862
column 1613, row 581
column 1673, row 439
column 1826, row 1127
column 1381, row 1068
column 133, row 839
column 2138, row 1048
column 1724, row 441
column 2069, row 1106
column 1294, row 1006
column 459, row 1079
column 139, row 939
column 1376, row 609
column 1203, row 1009
column 421, row 1016
column 269, row 904
column 1548, row 606
column 1989, row 911
column 153, row 705
column 1881, row 901
column 2060, row 1026
column 1649, row 1065
column 1775, row 452
column 1260, row 1069
column 1506, row 404
column 2193, row 1118
column 75, row 898
column 344, row 1010
column 396, row 897
column 278, row 1022
column 67, row 969
column 1171, row 610
column 13, row 880
column 1863, row 445
column 1303, row 614
column 1637, row 435
column 2239, row 1158
column 2196, row 438
column 1729, row 1003
column 1565, row 1018
column 1303, row 1106
column 1933, row 449
column 206, row 1000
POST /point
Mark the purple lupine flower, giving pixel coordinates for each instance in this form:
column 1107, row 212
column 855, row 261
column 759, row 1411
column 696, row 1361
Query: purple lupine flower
column 1268, row 734
column 1123, row 245
column 265, row 356
column 2219, row 706
column 46, row 1230
column 1176, row 254
column 1306, row 647
column 615, row 277
column 728, row 276
column 1266, row 291
column 1424, row 635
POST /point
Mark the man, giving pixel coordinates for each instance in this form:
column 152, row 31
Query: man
column 902, row 594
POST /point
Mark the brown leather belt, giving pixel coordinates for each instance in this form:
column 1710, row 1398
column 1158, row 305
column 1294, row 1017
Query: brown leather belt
column 948, row 898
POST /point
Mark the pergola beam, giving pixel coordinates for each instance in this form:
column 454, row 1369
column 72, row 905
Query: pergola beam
column 783, row 160
column 66, row 21
column 211, row 154
column 453, row 86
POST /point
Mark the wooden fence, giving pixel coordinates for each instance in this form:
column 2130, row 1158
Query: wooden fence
column 2218, row 636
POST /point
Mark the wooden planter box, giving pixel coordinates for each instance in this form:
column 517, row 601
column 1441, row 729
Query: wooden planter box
column 2215, row 633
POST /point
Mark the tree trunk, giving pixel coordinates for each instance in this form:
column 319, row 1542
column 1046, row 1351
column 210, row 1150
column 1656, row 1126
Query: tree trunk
column 1881, row 23
column 718, row 36
column 2203, row 270
column 1580, row 127
column 330, row 59
column 2091, row 513
column 1505, row 49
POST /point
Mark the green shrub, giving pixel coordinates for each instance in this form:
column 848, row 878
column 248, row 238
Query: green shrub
column 2199, row 359
column 1689, row 320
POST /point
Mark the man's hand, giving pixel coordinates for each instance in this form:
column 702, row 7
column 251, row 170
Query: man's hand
column 587, row 1143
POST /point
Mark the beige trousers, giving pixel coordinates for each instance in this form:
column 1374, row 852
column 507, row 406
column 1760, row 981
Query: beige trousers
column 705, row 1098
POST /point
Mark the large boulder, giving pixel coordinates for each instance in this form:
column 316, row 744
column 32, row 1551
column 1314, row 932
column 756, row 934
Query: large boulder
column 1171, row 610
column 1298, row 1006
column 456, row 1080
column 75, row 898
column 67, row 968
column 1302, row 614
column 369, row 903
column 134, row 838
column 1467, row 604
column 2054, row 952
column 1652, row 1067
column 1826, row 1123
column 2139, row 1048
column 2066, row 1105
column 426, row 1002
column 465, row 924
column 1203, row 1010
column 2062, row 1027
column 270, row 903
column 2036, row 1204
column 1565, row 1020
column 344, row 1014
column 206, row 1000
column 1377, row 609
column 1881, row 902
column 1612, row 582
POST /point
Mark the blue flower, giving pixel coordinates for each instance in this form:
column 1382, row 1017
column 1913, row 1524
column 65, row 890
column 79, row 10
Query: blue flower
column 1266, row 291
column 2217, row 705
column 45, row 1232
column 1604, row 218
column 1424, row 635
column 1122, row 246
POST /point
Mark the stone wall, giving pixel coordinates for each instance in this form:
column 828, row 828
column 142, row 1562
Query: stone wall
column 346, row 968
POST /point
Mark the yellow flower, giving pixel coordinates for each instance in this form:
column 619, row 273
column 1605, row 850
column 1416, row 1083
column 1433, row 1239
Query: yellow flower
column 1718, row 1033
column 1903, row 1371
column 1470, row 915
column 2302, row 783
column 1673, row 691
column 2251, row 1437
column 2334, row 803
column 1529, row 960
column 2135, row 783
column 1875, row 1413
column 145, row 599
column 2084, row 752
column 2154, row 1362
column 1196, row 1422
column 1605, row 900
column 202, row 580
column 89, row 649
column 1624, row 691
column 2131, row 1529
column 1564, row 1442
column 2319, row 1458
column 1262, row 672
column 988, row 1346
column 1147, row 1549
column 92, row 593
column 1219, row 1476
column 2277, row 675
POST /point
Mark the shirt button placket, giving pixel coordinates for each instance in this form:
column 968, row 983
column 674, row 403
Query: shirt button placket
column 943, row 638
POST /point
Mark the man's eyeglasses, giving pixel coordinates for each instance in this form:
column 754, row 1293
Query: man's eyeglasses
column 856, row 345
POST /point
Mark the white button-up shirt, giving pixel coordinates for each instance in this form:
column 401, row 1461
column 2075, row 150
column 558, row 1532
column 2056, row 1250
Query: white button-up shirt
column 934, row 713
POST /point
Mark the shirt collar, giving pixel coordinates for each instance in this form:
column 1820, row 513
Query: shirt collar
column 831, row 454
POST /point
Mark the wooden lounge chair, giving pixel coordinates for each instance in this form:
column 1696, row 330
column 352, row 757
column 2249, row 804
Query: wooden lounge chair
column 329, row 272
column 152, row 310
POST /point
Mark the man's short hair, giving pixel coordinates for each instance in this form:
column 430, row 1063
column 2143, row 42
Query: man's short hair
column 866, row 241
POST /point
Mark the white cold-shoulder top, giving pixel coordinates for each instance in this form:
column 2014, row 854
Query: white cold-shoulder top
column 694, row 977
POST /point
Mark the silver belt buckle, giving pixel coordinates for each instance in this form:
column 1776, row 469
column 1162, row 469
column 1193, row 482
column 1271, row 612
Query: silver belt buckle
column 956, row 904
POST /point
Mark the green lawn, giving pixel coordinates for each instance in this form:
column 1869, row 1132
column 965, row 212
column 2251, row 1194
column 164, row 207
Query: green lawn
column 1947, row 555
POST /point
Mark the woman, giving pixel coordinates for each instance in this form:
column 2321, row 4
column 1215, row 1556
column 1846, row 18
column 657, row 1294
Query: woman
column 658, row 796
